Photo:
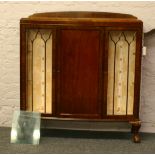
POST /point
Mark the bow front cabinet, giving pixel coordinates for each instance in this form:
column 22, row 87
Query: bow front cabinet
column 82, row 65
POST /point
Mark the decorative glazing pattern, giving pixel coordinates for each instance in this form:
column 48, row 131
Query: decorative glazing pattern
column 39, row 69
column 121, row 72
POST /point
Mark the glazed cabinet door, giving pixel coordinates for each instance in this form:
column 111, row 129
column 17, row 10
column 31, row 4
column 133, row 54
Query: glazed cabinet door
column 79, row 73
column 124, row 61
column 39, row 50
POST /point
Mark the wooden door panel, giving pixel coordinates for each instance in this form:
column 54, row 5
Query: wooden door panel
column 79, row 73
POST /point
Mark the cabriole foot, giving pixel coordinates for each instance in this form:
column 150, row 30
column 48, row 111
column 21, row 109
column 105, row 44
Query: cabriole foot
column 135, row 131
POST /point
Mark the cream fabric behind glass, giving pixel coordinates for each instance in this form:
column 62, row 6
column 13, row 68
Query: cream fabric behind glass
column 38, row 97
column 121, row 42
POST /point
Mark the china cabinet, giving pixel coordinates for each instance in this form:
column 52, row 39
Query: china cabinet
column 82, row 66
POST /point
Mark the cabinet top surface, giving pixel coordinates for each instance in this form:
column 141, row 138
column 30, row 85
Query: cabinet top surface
column 81, row 14
column 81, row 17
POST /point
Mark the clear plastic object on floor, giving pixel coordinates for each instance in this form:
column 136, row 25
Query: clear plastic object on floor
column 25, row 127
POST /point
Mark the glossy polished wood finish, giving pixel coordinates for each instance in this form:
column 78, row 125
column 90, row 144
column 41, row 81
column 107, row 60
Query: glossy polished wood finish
column 83, row 18
column 79, row 73
column 81, row 14
column 80, row 63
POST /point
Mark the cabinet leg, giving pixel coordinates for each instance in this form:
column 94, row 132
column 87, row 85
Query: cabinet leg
column 135, row 131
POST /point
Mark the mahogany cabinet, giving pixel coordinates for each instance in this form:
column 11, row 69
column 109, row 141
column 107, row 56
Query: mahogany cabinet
column 82, row 65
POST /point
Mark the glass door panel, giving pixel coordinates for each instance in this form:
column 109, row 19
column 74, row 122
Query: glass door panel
column 39, row 70
column 121, row 72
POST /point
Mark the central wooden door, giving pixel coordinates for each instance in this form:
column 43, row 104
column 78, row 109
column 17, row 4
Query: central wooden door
column 79, row 74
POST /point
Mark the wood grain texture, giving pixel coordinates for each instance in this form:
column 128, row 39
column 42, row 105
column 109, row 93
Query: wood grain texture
column 79, row 72
column 83, row 18
column 81, row 14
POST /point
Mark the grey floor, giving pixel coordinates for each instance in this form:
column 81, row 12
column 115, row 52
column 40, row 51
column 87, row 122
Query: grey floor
column 61, row 141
